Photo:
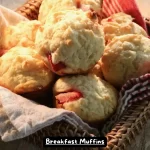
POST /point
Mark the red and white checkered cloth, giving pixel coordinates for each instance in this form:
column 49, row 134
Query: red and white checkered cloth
column 136, row 89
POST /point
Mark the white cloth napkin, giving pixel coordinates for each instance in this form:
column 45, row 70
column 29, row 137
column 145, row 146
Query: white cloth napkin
column 26, row 117
column 8, row 16
column 20, row 117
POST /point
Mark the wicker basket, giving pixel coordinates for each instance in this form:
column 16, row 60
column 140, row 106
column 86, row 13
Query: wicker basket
column 122, row 135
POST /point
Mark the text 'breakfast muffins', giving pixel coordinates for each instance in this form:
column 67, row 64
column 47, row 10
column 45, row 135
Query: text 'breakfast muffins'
column 51, row 6
column 72, row 41
column 120, row 24
column 21, row 34
column 126, row 57
column 90, row 97
column 22, row 70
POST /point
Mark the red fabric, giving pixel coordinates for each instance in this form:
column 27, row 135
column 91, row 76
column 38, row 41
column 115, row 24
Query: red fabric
column 127, row 6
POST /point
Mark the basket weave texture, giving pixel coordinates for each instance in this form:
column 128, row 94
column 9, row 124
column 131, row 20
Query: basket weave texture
column 121, row 136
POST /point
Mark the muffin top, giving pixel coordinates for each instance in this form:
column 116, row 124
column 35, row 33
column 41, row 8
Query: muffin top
column 21, row 34
column 90, row 97
column 22, row 70
column 51, row 6
column 120, row 24
column 125, row 57
column 73, row 38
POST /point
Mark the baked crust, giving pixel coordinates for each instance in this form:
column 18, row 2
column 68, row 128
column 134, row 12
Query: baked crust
column 120, row 24
column 97, row 101
column 72, row 39
column 51, row 6
column 21, row 34
column 126, row 57
column 23, row 70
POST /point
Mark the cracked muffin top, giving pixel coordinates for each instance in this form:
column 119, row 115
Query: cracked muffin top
column 73, row 40
column 22, row 70
column 90, row 97
column 21, row 34
column 120, row 24
column 126, row 57
column 51, row 6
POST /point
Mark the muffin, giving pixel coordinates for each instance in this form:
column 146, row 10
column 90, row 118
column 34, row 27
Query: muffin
column 22, row 70
column 50, row 6
column 91, row 98
column 96, row 70
column 22, row 34
column 120, row 24
column 126, row 57
column 72, row 41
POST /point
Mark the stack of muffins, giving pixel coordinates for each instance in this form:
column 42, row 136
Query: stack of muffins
column 70, row 51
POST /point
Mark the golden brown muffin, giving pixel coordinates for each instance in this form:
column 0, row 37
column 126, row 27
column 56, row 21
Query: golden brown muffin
column 22, row 70
column 126, row 57
column 51, row 6
column 72, row 41
column 97, row 70
column 22, row 34
column 120, row 24
column 91, row 98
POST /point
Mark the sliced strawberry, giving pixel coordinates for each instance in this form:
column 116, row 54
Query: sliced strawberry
column 110, row 20
column 68, row 97
column 78, row 3
column 2, row 52
column 55, row 67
